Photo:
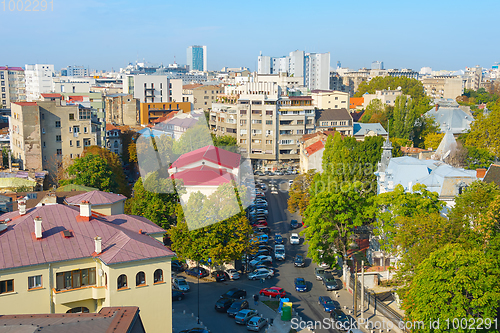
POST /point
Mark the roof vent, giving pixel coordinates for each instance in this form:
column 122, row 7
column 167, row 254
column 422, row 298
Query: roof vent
column 67, row 233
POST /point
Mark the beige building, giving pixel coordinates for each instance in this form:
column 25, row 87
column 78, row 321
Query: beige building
column 330, row 99
column 44, row 134
column 312, row 147
column 387, row 97
column 187, row 92
column 122, row 109
column 204, row 96
column 443, row 86
column 12, row 85
column 337, row 119
column 64, row 259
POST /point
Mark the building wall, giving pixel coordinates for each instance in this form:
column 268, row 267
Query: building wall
column 114, row 209
column 26, row 136
column 38, row 80
column 12, row 86
column 443, row 87
column 317, row 71
column 387, row 97
column 293, row 123
column 122, row 110
column 147, row 113
column 152, row 88
column 204, row 96
column 331, row 100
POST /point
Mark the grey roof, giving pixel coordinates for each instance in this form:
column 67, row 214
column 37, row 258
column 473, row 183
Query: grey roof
column 493, row 174
column 451, row 118
column 364, row 128
column 333, row 114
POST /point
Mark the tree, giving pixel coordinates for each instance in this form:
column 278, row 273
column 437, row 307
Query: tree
column 194, row 138
column 432, row 140
column 485, row 131
column 411, row 87
column 478, row 158
column 331, row 218
column 376, row 112
column 132, row 152
column 299, row 194
column 225, row 142
column 92, row 170
column 454, row 282
column 115, row 163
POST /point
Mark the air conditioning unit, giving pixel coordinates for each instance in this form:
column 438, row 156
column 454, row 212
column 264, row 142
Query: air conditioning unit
column 241, row 134
column 254, row 134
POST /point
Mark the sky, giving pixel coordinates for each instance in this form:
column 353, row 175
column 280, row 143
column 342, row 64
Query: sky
column 105, row 35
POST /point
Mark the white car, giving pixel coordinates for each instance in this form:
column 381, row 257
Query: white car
column 260, row 258
column 294, row 239
column 233, row 274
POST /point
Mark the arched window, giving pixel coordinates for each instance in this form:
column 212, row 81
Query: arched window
column 78, row 310
column 140, row 279
column 122, row 281
column 158, row 276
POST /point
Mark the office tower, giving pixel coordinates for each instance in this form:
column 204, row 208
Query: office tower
column 197, row 58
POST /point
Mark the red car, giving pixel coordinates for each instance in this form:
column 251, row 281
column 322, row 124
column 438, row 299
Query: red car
column 273, row 292
column 260, row 223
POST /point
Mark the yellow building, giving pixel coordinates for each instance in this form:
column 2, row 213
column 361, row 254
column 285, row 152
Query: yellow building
column 152, row 111
column 67, row 259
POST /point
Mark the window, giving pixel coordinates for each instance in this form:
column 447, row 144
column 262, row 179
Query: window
column 324, row 123
column 78, row 310
column 140, row 279
column 122, row 281
column 58, row 123
column 243, row 131
column 243, row 122
column 6, row 286
column 35, row 281
column 86, row 142
column 269, row 142
column 256, row 121
column 256, row 112
column 58, row 138
column 71, row 143
column 44, row 144
column 71, row 116
column 269, row 122
column 59, row 152
column 300, row 132
column 243, row 141
column 85, row 130
column 243, row 111
column 269, row 113
column 158, row 276
column 300, row 122
column 42, row 115
column 78, row 143
column 256, row 141
column 75, row 279
column 336, row 98
column 269, row 132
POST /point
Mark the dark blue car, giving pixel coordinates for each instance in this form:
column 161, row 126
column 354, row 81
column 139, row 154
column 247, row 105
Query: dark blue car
column 327, row 303
column 300, row 284
column 278, row 239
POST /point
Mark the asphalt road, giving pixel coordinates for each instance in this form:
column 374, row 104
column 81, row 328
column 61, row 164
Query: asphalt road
column 305, row 303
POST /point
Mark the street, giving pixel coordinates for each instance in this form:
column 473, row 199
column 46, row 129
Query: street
column 305, row 303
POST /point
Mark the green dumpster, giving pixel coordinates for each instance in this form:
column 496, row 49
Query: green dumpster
column 286, row 313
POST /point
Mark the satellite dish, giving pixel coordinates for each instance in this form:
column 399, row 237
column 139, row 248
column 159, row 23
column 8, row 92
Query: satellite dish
column 446, row 154
column 399, row 88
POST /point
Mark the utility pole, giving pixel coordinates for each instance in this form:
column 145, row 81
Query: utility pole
column 362, row 289
column 355, row 289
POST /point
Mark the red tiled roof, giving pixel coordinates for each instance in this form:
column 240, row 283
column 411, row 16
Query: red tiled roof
column 25, row 103
column 119, row 243
column 209, row 153
column 315, row 147
column 75, row 98
column 51, row 95
column 191, row 86
column 5, row 68
column 356, row 101
column 95, row 198
column 204, row 176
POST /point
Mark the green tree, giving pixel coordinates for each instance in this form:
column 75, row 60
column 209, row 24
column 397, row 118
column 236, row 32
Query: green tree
column 92, row 170
column 432, row 140
column 299, row 194
column 132, row 152
column 376, row 112
column 485, row 131
column 411, row 87
column 478, row 158
column 194, row 138
column 331, row 218
column 453, row 282
column 225, row 142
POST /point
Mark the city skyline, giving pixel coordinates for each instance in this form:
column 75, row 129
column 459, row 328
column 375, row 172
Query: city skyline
column 109, row 35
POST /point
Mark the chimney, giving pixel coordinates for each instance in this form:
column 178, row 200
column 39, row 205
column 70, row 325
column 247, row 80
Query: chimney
column 480, row 173
column 140, row 231
column 38, row 227
column 85, row 210
column 97, row 242
column 21, row 203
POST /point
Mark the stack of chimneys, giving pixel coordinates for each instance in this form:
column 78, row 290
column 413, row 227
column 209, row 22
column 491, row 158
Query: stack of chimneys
column 85, row 210
column 38, row 227
column 98, row 244
column 21, row 203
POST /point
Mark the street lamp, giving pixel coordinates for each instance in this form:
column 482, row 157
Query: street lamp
column 199, row 272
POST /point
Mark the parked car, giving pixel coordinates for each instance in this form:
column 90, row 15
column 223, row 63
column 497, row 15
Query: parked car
column 264, row 263
column 294, row 239
column 327, row 303
column 274, row 190
column 290, row 182
column 299, row 261
column 341, row 318
column 263, row 186
column 319, row 272
column 233, row 274
column 259, row 258
column 279, row 252
column 300, row 284
column 181, row 284
column 260, row 273
column 178, row 266
column 236, row 307
column 330, row 283
column 262, row 229
column 220, row 276
column 235, row 293
column 270, row 269
column 177, row 295
column 195, row 330
column 273, row 292
column 256, row 323
column 278, row 239
column 263, row 252
column 264, row 246
column 269, row 173
column 278, row 173
column 258, row 221
column 223, row 304
column 262, row 238
column 244, row 316
column 197, row 272
column 294, row 224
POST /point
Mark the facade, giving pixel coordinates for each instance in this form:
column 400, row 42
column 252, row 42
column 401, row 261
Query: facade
column 114, row 139
column 329, row 99
column 317, row 71
column 187, row 92
column 312, row 147
column 72, row 259
column 197, row 58
column 38, row 80
column 337, row 83
column 149, row 112
column 443, row 86
column 377, row 65
column 409, row 73
column 204, row 96
column 71, row 85
column 47, row 133
column 338, row 119
column 177, row 125
column 77, row 71
column 387, row 97
column 12, row 85
column 122, row 109
column 153, row 88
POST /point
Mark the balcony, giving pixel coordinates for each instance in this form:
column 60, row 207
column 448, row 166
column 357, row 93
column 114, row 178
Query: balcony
column 79, row 294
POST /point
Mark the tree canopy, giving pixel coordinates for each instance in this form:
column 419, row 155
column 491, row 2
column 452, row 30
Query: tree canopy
column 485, row 131
column 299, row 194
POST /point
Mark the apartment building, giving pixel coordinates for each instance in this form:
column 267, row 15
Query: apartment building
column 71, row 259
column 329, row 99
column 12, row 85
column 338, row 119
column 187, row 92
column 113, row 139
column 443, row 86
column 122, row 109
column 44, row 134
column 38, row 80
column 149, row 112
column 296, row 117
column 153, row 88
column 387, row 97
column 204, row 96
